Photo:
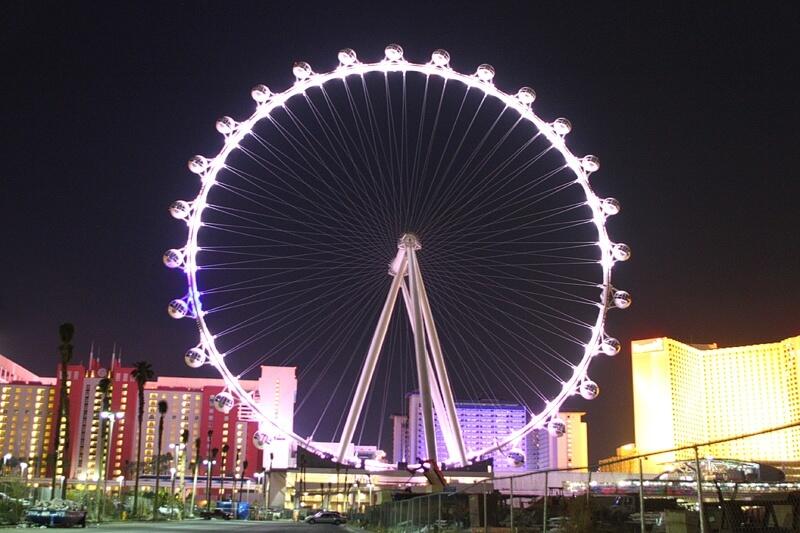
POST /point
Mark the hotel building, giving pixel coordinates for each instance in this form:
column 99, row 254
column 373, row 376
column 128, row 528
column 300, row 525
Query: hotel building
column 481, row 423
column 691, row 393
column 29, row 405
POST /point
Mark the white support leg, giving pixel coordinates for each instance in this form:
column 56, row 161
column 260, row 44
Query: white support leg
column 411, row 245
column 441, row 369
column 436, row 393
column 372, row 360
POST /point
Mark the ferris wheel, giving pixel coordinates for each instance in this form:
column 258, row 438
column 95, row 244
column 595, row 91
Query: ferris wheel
column 495, row 244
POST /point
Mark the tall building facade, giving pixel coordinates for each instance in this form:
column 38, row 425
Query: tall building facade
column 481, row 424
column 688, row 393
column 570, row 450
column 28, row 411
column 26, row 423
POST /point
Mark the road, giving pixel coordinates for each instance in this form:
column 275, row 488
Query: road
column 220, row 525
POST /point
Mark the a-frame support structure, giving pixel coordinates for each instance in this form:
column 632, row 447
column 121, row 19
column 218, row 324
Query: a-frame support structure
column 434, row 385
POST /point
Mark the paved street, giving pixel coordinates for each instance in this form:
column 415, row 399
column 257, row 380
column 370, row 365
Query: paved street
column 220, row 525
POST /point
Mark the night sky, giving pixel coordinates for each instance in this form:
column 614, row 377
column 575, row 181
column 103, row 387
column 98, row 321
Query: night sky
column 692, row 110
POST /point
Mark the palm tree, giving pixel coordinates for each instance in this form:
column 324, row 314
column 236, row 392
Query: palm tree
column 66, row 332
column 142, row 373
column 162, row 410
column 104, row 386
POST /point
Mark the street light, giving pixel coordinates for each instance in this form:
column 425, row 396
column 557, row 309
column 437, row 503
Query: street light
column 111, row 417
column 180, row 462
column 172, row 472
column 209, row 465
column 261, row 477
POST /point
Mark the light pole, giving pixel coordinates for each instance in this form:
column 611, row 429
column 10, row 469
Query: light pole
column 195, row 469
column 209, row 465
column 180, row 466
column 111, row 417
column 172, row 472
column 6, row 459
column 22, row 467
column 262, row 480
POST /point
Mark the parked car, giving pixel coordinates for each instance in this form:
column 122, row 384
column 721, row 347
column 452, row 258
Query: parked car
column 326, row 517
column 170, row 511
column 216, row 513
column 56, row 513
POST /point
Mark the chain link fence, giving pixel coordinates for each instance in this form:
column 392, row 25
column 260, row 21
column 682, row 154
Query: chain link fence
column 657, row 493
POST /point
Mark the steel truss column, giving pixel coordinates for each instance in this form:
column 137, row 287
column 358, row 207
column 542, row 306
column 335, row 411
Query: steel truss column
column 371, row 361
column 441, row 369
column 438, row 404
column 411, row 245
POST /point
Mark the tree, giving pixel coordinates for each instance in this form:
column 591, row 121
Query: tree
column 162, row 410
column 142, row 373
column 104, row 386
column 66, row 332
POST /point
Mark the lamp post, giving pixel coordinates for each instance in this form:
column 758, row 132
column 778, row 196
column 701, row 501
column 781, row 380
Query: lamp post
column 6, row 459
column 111, row 417
column 22, row 467
column 121, row 481
column 209, row 465
column 180, row 466
column 267, row 480
column 262, row 480
column 195, row 469
column 172, row 472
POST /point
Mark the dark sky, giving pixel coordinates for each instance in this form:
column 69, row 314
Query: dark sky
column 693, row 111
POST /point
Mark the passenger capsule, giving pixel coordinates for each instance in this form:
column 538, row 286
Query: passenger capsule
column 198, row 164
column 178, row 308
column 440, row 58
column 621, row 252
column 590, row 163
column 485, row 72
column 260, row 440
column 516, row 458
column 610, row 346
column 347, row 56
column 589, row 389
column 260, row 93
column 393, row 52
column 610, row 206
column 302, row 70
column 173, row 258
column 195, row 358
column 562, row 126
column 526, row 95
column 556, row 427
column 622, row 299
column 180, row 209
column 226, row 125
column 223, row 402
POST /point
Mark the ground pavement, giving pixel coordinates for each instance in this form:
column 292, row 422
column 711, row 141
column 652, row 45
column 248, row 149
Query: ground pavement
column 222, row 526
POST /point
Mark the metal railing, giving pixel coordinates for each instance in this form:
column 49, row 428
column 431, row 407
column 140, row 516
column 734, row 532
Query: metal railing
column 583, row 499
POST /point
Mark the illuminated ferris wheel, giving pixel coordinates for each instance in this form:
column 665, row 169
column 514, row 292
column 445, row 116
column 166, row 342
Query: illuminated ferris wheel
column 499, row 263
